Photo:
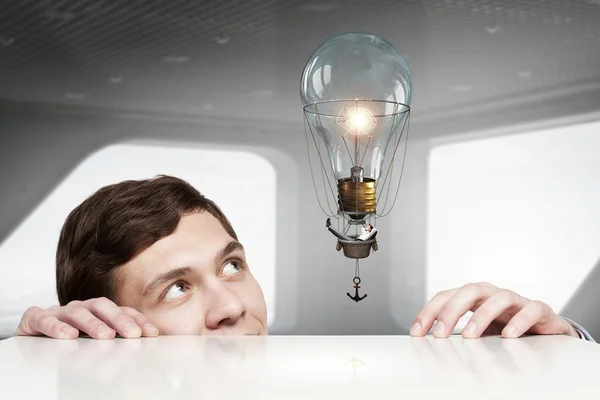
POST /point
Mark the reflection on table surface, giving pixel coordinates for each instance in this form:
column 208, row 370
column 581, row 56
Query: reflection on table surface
column 290, row 367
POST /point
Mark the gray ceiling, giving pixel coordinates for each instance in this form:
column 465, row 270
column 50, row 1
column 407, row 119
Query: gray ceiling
column 243, row 59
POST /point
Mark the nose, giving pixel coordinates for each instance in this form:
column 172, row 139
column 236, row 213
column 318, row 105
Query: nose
column 225, row 308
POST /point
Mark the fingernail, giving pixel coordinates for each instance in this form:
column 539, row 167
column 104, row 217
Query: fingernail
column 132, row 330
column 416, row 329
column 68, row 332
column 151, row 329
column 510, row 330
column 104, row 331
column 470, row 328
column 439, row 328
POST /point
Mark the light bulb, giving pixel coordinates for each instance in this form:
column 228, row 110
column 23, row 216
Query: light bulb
column 356, row 89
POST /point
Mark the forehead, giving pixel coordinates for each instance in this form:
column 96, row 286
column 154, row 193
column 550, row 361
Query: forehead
column 195, row 242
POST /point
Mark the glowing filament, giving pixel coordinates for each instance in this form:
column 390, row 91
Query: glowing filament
column 356, row 120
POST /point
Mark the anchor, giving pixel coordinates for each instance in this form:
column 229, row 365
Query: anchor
column 356, row 297
column 354, row 360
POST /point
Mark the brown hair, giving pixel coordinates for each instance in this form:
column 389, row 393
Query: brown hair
column 114, row 225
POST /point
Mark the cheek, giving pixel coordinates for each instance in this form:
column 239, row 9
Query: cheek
column 177, row 320
column 255, row 300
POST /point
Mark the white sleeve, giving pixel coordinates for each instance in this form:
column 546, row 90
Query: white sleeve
column 583, row 334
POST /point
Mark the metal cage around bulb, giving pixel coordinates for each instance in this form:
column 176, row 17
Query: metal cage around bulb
column 356, row 155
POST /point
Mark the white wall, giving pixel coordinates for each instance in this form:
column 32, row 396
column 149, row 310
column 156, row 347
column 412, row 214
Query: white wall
column 227, row 177
column 312, row 278
column 519, row 211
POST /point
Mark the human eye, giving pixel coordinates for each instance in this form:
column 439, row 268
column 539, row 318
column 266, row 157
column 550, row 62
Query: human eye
column 175, row 291
column 231, row 268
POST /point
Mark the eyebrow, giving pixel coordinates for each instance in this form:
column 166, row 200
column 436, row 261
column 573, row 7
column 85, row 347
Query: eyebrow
column 178, row 273
column 227, row 250
column 166, row 277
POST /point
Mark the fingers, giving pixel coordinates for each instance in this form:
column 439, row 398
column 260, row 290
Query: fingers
column 502, row 302
column 464, row 300
column 114, row 317
column 428, row 314
column 24, row 328
column 126, row 321
column 448, row 307
column 99, row 318
column 493, row 308
column 537, row 314
column 148, row 328
column 51, row 326
column 83, row 319
column 36, row 321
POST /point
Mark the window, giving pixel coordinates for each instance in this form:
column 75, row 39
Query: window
column 518, row 211
column 242, row 184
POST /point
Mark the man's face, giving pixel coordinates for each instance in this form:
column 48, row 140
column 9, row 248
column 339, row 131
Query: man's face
column 195, row 281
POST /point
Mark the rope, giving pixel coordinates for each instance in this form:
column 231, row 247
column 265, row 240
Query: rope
column 401, row 170
column 323, row 175
column 395, row 149
column 311, row 169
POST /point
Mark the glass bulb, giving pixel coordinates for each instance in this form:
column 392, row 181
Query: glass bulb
column 356, row 89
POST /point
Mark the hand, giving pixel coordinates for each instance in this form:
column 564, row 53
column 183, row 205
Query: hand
column 495, row 311
column 99, row 318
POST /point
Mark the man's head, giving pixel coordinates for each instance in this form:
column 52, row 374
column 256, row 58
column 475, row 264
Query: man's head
column 369, row 227
column 161, row 247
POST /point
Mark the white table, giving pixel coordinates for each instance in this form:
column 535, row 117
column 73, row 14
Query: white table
column 300, row 367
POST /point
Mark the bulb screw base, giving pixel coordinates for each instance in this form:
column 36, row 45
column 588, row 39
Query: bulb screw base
column 357, row 199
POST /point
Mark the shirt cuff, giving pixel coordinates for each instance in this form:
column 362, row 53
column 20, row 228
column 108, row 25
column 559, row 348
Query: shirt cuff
column 583, row 334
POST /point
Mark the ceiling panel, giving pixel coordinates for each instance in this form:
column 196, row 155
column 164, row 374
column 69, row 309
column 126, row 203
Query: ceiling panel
column 243, row 59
